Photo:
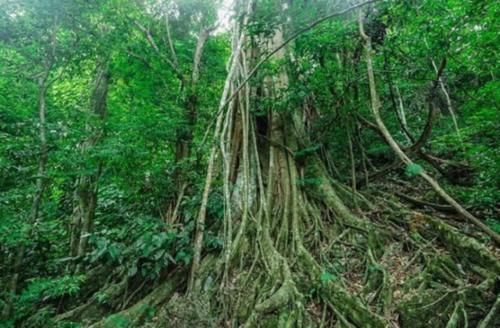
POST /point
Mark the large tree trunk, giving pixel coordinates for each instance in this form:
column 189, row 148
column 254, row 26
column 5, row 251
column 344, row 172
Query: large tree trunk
column 266, row 210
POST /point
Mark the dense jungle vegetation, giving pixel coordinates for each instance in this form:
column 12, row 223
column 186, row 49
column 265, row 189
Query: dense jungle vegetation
column 249, row 163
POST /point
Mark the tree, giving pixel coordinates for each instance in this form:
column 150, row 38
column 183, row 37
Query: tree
column 86, row 186
column 45, row 60
column 200, row 15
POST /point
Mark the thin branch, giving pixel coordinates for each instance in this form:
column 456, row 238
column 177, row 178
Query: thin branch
column 170, row 43
column 439, row 207
column 153, row 44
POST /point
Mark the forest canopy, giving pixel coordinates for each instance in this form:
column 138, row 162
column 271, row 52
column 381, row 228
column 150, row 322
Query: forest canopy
column 249, row 163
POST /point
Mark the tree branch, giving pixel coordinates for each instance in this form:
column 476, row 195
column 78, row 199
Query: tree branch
column 153, row 44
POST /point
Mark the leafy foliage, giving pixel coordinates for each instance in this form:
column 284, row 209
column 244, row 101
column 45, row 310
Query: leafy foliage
column 129, row 161
column 413, row 170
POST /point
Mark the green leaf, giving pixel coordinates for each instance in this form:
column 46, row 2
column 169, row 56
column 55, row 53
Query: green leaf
column 413, row 169
column 327, row 276
column 494, row 225
column 132, row 271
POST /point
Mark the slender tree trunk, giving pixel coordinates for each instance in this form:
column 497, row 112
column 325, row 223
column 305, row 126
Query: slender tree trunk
column 39, row 188
column 86, row 187
column 402, row 116
column 185, row 133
